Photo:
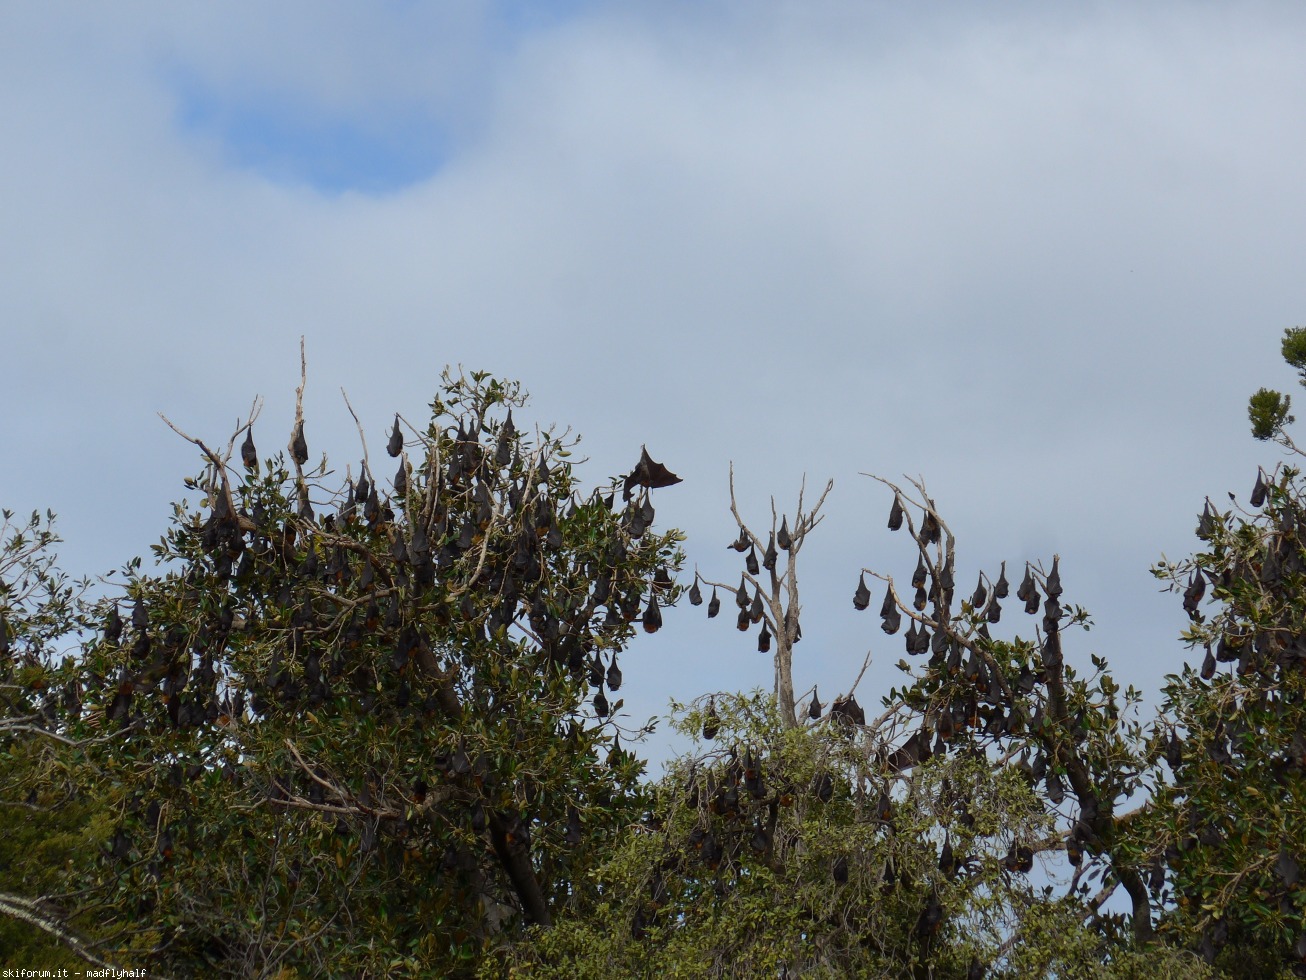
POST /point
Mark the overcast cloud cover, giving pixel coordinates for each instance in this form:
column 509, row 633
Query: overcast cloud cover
column 1039, row 254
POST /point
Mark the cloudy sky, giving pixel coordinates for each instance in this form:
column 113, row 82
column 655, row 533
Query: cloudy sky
column 1038, row 254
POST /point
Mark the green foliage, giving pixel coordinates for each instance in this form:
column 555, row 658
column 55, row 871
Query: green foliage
column 1055, row 943
column 43, row 837
column 46, row 828
column 790, row 851
column 345, row 731
column 735, row 884
column 364, row 742
column 1293, row 349
column 1230, row 825
column 1269, row 413
column 1269, row 410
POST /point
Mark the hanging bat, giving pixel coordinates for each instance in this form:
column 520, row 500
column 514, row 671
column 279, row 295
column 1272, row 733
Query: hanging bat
column 1054, row 580
column 652, row 615
column 1051, row 616
column 931, row 918
column 783, row 537
column 298, row 445
column 1026, row 586
column 848, row 710
column 889, row 613
column 396, row 444
column 918, row 576
column 1259, row 491
column 1208, row 664
column 1206, row 521
column 840, row 870
column 862, row 597
column 248, row 454
column 824, row 787
column 1000, row 587
column 930, row 530
column 711, row 723
column 1193, row 594
column 112, row 627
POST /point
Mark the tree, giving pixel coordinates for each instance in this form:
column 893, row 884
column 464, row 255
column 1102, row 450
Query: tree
column 353, row 730
column 366, row 732
column 1230, row 825
column 830, row 844
column 45, row 828
column 776, row 850
column 1198, row 817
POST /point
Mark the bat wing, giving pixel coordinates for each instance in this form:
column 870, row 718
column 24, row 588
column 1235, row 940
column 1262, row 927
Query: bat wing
column 649, row 473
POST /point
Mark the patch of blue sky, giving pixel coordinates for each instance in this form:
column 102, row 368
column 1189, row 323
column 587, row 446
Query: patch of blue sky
column 382, row 151
column 528, row 16
column 290, row 143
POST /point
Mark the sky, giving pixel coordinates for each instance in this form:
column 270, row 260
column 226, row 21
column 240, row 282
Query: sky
column 1038, row 255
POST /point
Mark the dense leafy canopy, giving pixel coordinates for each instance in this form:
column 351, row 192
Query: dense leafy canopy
column 362, row 740
column 359, row 726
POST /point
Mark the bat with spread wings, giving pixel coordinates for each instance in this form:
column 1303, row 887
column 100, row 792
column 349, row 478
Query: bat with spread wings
column 648, row 473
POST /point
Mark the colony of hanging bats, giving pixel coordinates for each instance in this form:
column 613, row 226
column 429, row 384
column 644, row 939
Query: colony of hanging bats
column 468, row 542
column 1010, row 700
column 971, row 696
column 394, row 599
